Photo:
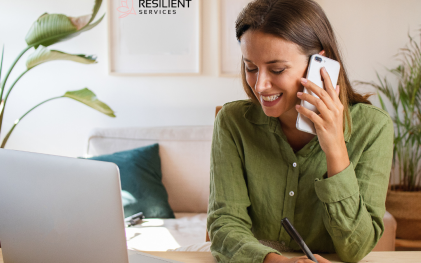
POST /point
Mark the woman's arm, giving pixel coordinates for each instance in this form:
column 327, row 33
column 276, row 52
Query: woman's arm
column 354, row 199
column 329, row 123
column 228, row 222
column 353, row 194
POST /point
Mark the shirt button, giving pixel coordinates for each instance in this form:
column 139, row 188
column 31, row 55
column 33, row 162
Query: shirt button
column 291, row 193
column 294, row 164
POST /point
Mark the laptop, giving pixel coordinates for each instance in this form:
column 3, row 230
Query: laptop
column 59, row 209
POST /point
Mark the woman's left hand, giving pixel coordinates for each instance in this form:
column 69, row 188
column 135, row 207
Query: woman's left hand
column 329, row 123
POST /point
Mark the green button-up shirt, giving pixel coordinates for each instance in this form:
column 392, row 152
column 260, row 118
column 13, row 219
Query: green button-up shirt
column 257, row 180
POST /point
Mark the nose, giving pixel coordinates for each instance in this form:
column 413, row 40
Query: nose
column 263, row 82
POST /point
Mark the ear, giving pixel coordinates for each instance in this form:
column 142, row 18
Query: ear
column 322, row 53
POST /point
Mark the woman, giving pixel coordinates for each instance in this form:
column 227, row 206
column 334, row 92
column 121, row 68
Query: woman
column 332, row 187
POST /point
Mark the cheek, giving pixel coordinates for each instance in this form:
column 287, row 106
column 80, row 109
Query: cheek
column 289, row 83
column 251, row 80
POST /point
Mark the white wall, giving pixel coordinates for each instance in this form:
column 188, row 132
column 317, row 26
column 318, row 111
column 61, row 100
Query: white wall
column 370, row 32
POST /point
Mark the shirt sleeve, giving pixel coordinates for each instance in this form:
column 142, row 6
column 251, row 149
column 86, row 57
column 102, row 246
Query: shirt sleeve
column 354, row 199
column 228, row 222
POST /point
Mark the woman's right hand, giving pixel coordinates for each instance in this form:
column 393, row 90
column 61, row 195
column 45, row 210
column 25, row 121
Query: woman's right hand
column 275, row 258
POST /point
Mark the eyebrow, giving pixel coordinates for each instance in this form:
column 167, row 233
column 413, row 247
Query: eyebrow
column 269, row 62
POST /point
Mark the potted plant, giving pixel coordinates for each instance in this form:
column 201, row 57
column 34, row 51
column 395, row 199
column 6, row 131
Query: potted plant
column 46, row 31
column 404, row 196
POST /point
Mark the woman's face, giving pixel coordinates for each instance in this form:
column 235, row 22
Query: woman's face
column 274, row 68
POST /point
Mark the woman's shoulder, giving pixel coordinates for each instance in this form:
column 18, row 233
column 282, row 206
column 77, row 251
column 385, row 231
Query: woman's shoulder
column 369, row 112
column 240, row 115
column 237, row 106
column 235, row 110
column 369, row 117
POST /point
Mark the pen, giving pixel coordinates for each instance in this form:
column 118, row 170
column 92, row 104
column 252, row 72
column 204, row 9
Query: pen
column 134, row 219
column 294, row 235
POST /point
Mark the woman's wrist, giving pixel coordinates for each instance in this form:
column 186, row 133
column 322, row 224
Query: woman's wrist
column 337, row 160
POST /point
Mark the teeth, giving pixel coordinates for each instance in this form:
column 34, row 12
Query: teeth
column 271, row 98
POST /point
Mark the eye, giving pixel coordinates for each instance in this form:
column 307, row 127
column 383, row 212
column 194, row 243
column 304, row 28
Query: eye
column 278, row 72
column 251, row 70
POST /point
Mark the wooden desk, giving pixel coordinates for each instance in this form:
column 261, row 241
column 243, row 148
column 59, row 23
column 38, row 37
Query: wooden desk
column 373, row 257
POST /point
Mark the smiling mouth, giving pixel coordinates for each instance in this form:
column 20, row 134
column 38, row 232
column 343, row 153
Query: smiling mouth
column 271, row 98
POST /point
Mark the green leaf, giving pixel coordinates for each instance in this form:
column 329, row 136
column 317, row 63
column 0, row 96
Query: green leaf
column 49, row 29
column 43, row 54
column 89, row 98
column 52, row 28
column 95, row 9
column 381, row 102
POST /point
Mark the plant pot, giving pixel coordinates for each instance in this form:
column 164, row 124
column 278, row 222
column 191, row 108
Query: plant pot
column 406, row 208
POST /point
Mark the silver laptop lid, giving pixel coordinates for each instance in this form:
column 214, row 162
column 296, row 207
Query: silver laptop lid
column 58, row 209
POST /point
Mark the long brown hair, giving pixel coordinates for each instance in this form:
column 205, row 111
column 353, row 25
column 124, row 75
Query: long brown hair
column 304, row 23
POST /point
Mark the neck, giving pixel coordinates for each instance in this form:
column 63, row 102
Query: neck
column 297, row 139
column 289, row 119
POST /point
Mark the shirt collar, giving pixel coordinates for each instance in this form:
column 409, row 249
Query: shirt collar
column 256, row 115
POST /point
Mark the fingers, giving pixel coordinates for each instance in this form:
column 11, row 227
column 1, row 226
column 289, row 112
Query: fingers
column 321, row 259
column 320, row 105
column 321, row 93
column 304, row 259
column 327, row 81
column 328, row 85
column 316, row 119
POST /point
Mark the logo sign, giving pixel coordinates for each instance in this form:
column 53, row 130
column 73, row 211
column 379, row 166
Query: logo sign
column 151, row 7
column 126, row 8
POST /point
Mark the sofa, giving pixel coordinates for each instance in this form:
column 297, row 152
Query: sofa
column 185, row 164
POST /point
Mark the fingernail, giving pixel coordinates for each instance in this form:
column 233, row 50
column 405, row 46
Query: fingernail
column 303, row 80
column 297, row 106
column 324, row 69
column 299, row 93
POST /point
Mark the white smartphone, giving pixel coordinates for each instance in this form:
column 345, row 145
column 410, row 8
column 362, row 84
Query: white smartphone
column 313, row 74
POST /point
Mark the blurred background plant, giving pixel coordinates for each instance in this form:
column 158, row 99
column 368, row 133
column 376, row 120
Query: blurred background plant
column 50, row 29
column 405, row 100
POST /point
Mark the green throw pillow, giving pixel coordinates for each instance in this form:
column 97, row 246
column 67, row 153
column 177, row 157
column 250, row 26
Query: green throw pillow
column 141, row 181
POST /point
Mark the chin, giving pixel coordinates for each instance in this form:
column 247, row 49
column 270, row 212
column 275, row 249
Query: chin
column 272, row 112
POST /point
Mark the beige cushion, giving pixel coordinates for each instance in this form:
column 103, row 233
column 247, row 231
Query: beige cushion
column 387, row 241
column 185, row 159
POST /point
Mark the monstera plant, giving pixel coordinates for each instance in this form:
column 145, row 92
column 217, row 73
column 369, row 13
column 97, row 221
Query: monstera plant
column 46, row 31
